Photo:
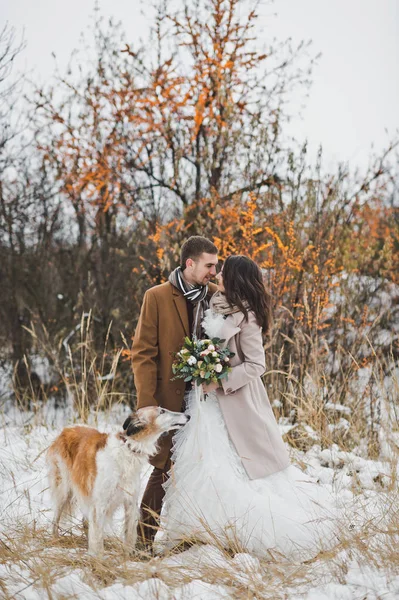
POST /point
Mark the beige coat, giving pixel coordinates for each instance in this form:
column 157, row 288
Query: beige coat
column 244, row 403
column 160, row 332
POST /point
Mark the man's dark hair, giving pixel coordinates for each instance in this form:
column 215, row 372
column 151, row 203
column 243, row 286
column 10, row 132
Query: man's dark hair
column 194, row 247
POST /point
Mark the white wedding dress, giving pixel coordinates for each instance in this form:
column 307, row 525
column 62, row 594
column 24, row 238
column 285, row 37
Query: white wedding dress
column 210, row 497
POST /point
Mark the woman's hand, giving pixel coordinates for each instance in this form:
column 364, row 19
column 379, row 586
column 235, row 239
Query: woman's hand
column 210, row 387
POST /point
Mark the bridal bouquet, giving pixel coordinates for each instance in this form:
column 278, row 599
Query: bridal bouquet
column 202, row 361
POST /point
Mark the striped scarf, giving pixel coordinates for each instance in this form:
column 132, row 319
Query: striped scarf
column 196, row 294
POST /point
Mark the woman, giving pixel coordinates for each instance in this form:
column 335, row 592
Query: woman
column 232, row 481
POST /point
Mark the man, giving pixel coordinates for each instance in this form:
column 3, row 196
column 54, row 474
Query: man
column 170, row 312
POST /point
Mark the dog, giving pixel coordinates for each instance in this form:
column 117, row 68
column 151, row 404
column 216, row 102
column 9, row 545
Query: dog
column 99, row 472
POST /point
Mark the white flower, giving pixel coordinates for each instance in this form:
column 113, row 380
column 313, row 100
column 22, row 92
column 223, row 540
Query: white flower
column 218, row 360
column 218, row 368
column 211, row 348
column 184, row 351
column 202, row 374
column 226, row 359
column 192, row 360
column 214, row 353
column 200, row 362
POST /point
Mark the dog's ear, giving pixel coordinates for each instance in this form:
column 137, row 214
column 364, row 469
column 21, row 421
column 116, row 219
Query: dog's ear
column 134, row 427
column 128, row 421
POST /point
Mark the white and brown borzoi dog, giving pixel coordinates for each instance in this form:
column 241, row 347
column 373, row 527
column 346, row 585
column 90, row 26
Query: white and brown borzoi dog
column 100, row 472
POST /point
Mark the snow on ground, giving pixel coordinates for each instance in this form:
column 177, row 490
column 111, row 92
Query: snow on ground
column 34, row 565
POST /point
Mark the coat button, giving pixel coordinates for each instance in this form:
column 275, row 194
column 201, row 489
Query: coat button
column 229, row 390
column 178, row 392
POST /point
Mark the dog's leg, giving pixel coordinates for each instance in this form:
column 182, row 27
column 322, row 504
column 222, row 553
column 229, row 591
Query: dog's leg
column 61, row 493
column 85, row 526
column 131, row 522
column 96, row 531
column 59, row 510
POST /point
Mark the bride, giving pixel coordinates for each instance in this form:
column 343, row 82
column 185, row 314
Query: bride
column 231, row 480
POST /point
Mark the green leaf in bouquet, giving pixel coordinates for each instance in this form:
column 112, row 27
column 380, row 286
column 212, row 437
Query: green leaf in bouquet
column 207, row 375
column 189, row 378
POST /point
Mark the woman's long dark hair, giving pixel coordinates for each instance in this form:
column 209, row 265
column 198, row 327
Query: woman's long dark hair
column 244, row 287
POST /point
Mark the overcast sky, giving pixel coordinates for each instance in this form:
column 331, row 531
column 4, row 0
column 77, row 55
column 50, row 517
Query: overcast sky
column 355, row 95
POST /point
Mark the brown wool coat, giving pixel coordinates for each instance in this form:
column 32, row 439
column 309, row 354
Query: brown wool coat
column 162, row 326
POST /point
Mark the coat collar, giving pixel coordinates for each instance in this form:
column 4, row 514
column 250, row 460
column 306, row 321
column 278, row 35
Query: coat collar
column 181, row 306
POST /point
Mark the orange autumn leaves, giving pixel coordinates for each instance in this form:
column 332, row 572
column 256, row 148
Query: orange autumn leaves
column 300, row 269
column 373, row 246
column 299, row 276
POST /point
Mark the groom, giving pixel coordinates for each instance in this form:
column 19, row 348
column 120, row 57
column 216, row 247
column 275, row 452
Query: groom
column 170, row 312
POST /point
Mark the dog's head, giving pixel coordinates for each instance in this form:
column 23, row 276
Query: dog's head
column 154, row 421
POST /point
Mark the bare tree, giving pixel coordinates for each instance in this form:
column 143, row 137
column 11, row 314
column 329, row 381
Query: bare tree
column 9, row 50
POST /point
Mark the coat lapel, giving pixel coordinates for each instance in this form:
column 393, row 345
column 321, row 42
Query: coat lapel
column 181, row 307
column 231, row 328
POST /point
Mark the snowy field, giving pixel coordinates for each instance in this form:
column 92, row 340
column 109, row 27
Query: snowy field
column 34, row 565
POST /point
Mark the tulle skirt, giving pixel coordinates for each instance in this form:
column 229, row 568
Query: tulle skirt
column 209, row 496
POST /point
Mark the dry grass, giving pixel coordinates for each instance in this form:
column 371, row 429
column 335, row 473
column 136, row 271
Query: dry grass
column 37, row 559
column 84, row 382
column 32, row 558
column 313, row 402
column 45, row 560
